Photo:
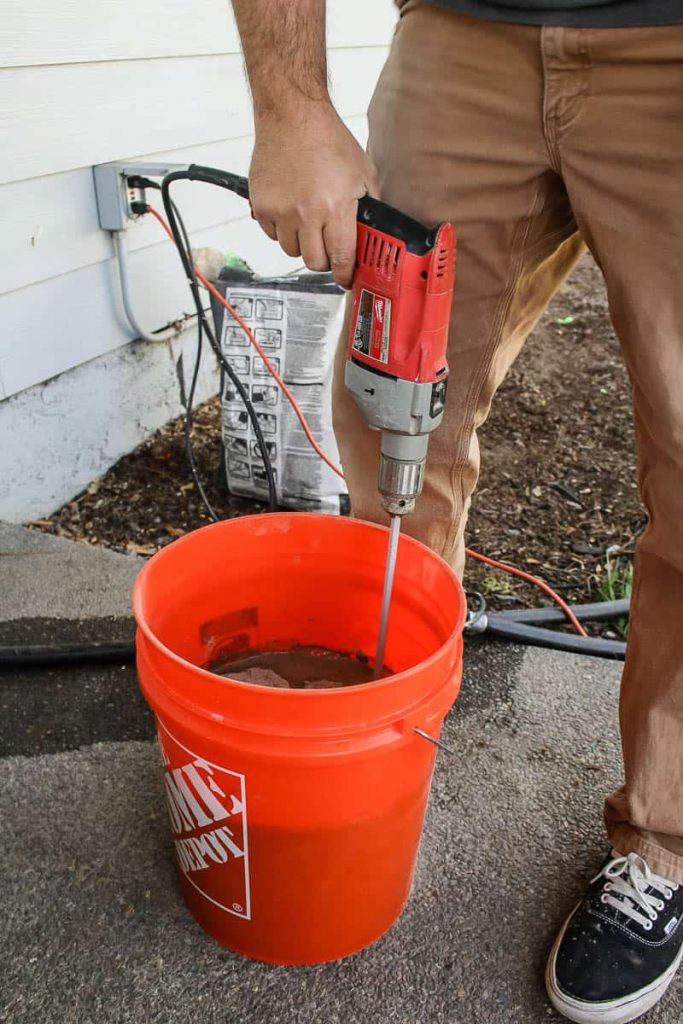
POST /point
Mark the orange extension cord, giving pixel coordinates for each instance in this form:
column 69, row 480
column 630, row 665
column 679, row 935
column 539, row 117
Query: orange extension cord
column 511, row 569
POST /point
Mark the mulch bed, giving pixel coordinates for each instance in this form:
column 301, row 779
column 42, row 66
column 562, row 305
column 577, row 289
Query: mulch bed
column 557, row 488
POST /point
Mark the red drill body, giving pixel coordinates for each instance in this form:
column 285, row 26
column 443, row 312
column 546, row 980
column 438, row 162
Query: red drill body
column 402, row 304
column 396, row 361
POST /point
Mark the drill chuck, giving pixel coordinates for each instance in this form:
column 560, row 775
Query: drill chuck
column 401, row 471
column 399, row 484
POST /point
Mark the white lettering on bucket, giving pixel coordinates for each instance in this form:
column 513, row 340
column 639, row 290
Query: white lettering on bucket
column 207, row 808
column 215, row 846
column 191, row 802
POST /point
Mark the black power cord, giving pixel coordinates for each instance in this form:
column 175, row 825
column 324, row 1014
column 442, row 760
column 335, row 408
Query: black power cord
column 180, row 236
column 234, row 184
column 187, row 399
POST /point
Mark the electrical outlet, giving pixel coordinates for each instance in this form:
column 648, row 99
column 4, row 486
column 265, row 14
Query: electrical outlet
column 115, row 193
column 134, row 194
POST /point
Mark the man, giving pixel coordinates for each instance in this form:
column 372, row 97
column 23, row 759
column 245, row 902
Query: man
column 537, row 127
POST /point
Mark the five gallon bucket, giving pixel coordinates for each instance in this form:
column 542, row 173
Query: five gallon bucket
column 296, row 814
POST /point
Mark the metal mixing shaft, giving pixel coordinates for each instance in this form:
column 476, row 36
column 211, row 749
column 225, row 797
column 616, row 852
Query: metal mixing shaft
column 401, row 474
column 389, row 572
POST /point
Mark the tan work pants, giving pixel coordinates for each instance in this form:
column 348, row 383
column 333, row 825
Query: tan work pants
column 532, row 140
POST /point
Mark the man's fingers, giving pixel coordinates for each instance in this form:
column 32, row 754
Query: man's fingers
column 312, row 248
column 268, row 226
column 340, row 243
column 372, row 181
column 288, row 239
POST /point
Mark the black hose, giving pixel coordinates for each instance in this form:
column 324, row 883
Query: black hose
column 508, row 629
column 43, row 655
column 498, row 625
column 600, row 611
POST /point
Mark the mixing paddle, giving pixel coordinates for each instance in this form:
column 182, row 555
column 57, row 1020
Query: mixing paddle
column 392, row 550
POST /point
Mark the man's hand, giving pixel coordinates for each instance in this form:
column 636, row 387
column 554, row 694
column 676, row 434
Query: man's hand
column 305, row 179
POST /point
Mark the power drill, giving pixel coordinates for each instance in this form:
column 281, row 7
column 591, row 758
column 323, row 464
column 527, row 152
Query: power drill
column 396, row 365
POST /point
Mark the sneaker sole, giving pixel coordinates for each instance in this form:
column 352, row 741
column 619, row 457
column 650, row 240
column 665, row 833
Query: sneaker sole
column 617, row 1011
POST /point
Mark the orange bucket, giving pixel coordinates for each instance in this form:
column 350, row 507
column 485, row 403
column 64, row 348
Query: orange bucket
column 296, row 814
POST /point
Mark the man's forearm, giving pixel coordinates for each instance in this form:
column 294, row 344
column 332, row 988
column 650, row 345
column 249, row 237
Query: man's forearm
column 307, row 170
column 284, row 50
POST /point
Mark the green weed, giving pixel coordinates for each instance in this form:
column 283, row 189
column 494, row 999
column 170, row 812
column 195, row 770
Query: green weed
column 614, row 581
column 496, row 585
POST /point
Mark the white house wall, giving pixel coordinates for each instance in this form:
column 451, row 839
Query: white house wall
column 78, row 424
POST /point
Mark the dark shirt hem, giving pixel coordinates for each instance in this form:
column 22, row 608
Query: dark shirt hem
column 622, row 14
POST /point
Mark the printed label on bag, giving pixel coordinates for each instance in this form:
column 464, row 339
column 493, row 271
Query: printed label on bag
column 373, row 326
column 208, row 811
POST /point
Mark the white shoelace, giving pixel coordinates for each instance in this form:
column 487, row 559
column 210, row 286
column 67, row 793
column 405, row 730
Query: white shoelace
column 627, row 879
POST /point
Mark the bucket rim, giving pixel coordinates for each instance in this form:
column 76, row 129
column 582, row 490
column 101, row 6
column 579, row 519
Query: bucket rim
column 377, row 685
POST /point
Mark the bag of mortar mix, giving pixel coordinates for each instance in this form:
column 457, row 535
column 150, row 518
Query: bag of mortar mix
column 297, row 320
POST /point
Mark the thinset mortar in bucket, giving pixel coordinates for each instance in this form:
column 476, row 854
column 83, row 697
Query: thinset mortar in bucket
column 296, row 811
column 303, row 667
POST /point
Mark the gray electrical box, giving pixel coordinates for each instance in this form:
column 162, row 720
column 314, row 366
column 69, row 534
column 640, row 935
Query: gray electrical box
column 115, row 194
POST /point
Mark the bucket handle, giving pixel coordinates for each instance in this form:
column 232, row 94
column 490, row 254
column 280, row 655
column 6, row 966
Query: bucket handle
column 432, row 739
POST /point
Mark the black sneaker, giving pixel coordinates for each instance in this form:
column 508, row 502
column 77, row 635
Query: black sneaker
column 619, row 949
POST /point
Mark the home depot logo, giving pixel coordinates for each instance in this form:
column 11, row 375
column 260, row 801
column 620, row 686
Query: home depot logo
column 207, row 807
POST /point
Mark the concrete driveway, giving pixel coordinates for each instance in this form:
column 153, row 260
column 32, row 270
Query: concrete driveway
column 93, row 924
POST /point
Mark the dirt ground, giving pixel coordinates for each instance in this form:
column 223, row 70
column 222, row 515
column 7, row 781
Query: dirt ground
column 557, row 488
